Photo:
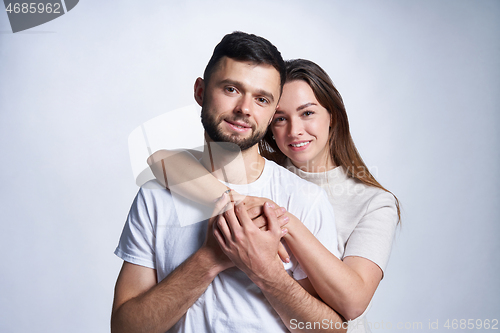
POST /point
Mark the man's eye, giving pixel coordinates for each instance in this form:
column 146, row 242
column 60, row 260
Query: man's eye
column 230, row 89
column 262, row 100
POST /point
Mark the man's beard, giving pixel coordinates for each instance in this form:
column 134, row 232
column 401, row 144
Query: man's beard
column 214, row 132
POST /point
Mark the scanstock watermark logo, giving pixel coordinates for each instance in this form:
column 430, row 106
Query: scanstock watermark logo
column 26, row 15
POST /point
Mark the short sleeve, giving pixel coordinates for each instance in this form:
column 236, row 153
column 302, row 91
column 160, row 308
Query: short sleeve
column 373, row 236
column 137, row 238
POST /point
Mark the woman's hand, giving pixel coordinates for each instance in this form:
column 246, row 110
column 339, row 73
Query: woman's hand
column 255, row 210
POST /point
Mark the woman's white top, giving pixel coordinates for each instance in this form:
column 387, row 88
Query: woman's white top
column 366, row 219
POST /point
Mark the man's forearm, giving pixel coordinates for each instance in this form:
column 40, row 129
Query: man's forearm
column 158, row 309
column 296, row 307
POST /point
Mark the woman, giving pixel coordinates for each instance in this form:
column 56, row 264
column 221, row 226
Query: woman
column 309, row 135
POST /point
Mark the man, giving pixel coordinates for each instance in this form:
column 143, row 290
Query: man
column 178, row 278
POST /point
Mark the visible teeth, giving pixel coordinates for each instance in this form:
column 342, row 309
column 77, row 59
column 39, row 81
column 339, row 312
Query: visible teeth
column 300, row 144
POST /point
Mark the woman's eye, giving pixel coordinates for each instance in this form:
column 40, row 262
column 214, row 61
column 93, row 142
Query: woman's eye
column 308, row 113
column 279, row 119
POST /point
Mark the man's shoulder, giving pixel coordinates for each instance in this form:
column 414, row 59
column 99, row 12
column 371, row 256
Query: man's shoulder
column 153, row 192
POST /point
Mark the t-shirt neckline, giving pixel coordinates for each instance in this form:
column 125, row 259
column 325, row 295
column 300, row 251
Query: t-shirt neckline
column 258, row 183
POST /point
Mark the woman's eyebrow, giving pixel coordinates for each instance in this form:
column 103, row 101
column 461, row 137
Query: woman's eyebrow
column 305, row 106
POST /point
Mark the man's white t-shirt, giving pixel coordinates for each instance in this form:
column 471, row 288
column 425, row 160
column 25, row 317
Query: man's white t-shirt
column 153, row 237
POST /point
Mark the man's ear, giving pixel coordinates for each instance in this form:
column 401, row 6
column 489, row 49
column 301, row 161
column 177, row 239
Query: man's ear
column 199, row 90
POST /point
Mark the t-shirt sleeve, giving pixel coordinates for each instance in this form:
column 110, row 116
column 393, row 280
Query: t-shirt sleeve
column 373, row 236
column 137, row 238
column 320, row 220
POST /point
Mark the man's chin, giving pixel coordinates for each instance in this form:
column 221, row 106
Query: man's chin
column 228, row 145
column 232, row 141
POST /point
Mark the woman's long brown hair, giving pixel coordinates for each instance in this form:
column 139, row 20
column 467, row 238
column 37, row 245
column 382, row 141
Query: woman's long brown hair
column 343, row 152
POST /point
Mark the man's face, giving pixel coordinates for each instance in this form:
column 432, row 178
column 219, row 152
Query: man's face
column 239, row 101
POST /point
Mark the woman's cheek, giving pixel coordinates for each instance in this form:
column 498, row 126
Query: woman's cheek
column 278, row 137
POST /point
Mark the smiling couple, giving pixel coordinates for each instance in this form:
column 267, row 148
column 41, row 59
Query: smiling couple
column 231, row 273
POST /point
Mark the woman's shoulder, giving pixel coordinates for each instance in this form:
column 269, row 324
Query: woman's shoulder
column 360, row 194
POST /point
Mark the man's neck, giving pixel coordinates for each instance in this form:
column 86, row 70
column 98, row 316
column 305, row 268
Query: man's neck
column 235, row 167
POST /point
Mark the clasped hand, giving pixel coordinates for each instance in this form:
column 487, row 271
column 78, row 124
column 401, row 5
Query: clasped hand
column 247, row 234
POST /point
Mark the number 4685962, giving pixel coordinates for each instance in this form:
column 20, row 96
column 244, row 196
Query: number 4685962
column 33, row 8
column 472, row 324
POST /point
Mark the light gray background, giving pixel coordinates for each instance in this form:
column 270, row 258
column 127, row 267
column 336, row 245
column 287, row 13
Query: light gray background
column 421, row 83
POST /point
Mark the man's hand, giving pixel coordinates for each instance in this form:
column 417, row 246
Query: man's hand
column 252, row 250
column 211, row 244
column 255, row 210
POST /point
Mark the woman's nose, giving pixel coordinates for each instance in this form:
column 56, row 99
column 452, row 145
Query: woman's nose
column 296, row 128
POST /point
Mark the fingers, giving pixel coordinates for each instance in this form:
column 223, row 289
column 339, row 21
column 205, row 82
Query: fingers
column 236, row 197
column 242, row 214
column 236, row 216
column 280, row 211
column 283, row 253
column 254, row 212
column 283, row 220
column 218, row 234
column 234, row 222
column 231, row 220
column 220, row 207
column 272, row 221
column 254, row 206
column 261, row 222
column 221, row 203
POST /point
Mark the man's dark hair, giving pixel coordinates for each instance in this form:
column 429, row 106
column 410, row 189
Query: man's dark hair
column 241, row 46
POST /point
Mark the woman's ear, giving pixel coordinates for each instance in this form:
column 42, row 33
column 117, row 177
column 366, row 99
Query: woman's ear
column 199, row 90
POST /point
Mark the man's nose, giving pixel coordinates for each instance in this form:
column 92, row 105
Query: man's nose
column 244, row 105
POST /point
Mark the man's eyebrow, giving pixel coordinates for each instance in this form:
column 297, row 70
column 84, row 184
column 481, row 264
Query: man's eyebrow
column 305, row 106
column 266, row 94
column 240, row 84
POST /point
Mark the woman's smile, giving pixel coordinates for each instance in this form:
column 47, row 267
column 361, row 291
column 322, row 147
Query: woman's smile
column 301, row 126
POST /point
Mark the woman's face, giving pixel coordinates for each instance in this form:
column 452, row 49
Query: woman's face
column 301, row 128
